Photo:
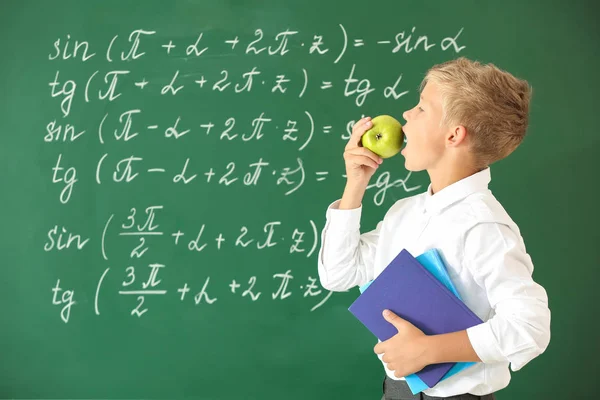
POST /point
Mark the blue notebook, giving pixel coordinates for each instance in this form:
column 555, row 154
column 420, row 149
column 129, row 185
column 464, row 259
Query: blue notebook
column 410, row 290
column 433, row 262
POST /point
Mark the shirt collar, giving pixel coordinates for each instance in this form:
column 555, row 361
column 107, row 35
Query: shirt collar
column 457, row 191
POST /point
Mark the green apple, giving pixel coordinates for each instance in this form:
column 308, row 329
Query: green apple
column 385, row 138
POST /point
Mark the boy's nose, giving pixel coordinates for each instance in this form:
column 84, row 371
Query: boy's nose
column 405, row 115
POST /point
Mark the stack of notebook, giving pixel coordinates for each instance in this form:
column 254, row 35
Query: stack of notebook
column 420, row 291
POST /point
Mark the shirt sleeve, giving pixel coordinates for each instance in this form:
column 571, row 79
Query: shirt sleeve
column 519, row 329
column 346, row 258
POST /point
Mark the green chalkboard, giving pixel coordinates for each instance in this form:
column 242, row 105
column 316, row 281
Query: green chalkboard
column 166, row 167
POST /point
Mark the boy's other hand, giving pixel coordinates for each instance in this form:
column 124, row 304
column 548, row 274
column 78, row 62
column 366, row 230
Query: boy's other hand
column 404, row 353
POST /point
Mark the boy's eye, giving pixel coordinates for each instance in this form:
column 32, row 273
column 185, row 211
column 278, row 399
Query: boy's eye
column 420, row 109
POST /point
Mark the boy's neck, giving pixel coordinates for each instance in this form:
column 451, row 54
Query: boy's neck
column 444, row 176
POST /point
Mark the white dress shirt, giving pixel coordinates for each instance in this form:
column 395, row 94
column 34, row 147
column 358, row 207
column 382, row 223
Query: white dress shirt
column 486, row 259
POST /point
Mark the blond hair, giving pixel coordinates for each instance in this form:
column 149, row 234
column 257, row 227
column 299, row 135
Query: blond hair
column 490, row 103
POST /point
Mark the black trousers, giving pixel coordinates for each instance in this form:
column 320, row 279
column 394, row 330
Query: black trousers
column 399, row 390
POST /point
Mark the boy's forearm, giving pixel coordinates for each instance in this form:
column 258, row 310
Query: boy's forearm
column 353, row 195
column 450, row 347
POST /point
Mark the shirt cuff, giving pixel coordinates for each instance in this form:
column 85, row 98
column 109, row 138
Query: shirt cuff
column 484, row 343
column 343, row 220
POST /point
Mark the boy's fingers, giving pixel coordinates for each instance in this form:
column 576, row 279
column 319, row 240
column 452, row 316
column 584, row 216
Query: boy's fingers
column 362, row 151
column 359, row 129
column 364, row 160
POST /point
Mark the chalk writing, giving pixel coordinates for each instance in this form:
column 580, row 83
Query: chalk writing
column 135, row 140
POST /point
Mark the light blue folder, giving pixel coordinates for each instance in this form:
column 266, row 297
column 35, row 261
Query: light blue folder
column 432, row 261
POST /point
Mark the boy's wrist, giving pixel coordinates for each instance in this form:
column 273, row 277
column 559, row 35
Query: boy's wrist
column 431, row 354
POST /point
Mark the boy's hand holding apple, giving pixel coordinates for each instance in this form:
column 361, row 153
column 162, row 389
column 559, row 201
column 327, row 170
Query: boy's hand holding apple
column 370, row 142
column 361, row 163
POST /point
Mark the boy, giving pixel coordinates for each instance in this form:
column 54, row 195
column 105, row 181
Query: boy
column 469, row 116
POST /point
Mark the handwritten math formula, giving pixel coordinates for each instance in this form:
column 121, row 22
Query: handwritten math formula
column 142, row 272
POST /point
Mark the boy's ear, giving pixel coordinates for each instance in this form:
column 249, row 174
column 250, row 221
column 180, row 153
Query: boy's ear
column 457, row 135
